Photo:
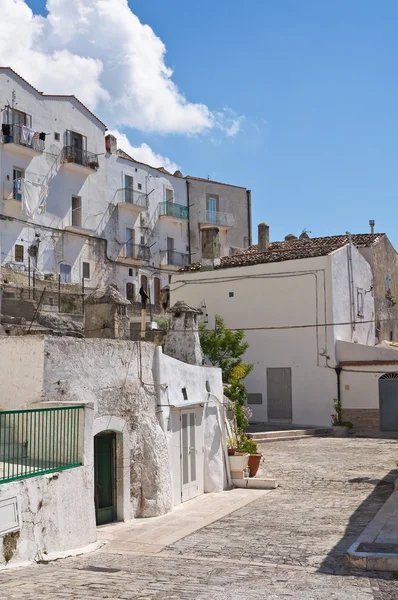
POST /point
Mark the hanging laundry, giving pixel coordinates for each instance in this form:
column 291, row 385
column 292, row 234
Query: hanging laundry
column 33, row 196
column 27, row 135
column 42, row 136
column 5, row 128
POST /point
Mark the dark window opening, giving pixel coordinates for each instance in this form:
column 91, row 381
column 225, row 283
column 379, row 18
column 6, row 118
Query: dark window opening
column 19, row 253
column 86, row 270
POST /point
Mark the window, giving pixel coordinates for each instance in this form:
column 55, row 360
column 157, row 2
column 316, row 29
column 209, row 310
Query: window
column 170, row 250
column 169, row 195
column 129, row 243
column 139, row 185
column 76, row 211
column 144, row 283
column 131, row 273
column 76, row 147
column 16, row 117
column 360, row 298
column 57, row 137
column 156, row 282
column 19, row 253
column 388, row 283
column 254, row 398
column 128, row 189
column 231, row 294
column 130, row 291
column 17, row 175
column 86, row 270
column 211, row 208
column 65, row 273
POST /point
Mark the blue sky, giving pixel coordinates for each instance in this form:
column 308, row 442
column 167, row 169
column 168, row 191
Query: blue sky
column 317, row 84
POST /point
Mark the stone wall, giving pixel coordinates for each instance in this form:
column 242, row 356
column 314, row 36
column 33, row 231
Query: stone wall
column 117, row 377
column 365, row 420
column 385, row 262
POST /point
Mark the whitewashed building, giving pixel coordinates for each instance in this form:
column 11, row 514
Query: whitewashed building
column 295, row 300
column 75, row 206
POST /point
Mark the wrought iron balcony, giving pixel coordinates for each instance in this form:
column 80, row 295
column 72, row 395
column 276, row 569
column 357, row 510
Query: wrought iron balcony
column 80, row 157
column 132, row 199
column 176, row 211
column 137, row 252
column 219, row 218
column 23, row 136
column 174, row 259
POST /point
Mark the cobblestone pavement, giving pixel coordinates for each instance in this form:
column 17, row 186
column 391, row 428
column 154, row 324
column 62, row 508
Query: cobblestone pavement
column 288, row 544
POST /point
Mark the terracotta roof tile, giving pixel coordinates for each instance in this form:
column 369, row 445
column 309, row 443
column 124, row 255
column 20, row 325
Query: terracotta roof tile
column 292, row 250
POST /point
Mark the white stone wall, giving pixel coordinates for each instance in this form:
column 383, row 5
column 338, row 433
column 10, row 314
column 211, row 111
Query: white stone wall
column 54, row 115
column 281, row 296
column 173, row 376
column 148, row 224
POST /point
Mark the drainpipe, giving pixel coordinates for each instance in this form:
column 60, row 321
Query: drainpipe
column 351, row 279
column 249, row 214
column 338, row 373
column 189, row 223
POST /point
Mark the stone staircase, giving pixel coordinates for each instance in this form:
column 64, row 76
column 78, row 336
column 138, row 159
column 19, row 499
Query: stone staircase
column 288, row 434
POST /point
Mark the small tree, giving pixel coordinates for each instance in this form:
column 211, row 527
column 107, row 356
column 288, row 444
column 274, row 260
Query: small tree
column 224, row 349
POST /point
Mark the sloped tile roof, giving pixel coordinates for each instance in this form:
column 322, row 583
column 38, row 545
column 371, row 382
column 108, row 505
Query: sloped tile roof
column 292, row 250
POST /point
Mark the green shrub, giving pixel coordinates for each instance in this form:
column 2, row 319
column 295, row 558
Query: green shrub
column 248, row 446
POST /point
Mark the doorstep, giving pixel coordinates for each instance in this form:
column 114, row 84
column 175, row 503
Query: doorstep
column 376, row 549
column 255, row 483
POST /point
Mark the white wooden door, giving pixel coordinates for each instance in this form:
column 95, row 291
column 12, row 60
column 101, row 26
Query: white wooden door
column 191, row 454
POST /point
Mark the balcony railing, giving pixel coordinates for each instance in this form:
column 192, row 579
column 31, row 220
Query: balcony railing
column 23, row 136
column 219, row 218
column 134, row 197
column 80, row 157
column 170, row 209
column 137, row 251
column 175, row 259
column 38, row 441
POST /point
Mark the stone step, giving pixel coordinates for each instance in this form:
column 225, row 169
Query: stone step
column 287, row 433
column 289, row 439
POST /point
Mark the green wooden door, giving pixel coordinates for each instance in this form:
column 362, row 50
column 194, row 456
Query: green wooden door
column 104, row 464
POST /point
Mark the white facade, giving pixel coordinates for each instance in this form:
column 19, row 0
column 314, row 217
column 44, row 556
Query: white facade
column 129, row 389
column 59, row 242
column 290, row 311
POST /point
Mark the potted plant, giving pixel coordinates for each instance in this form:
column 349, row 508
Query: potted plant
column 231, row 445
column 250, row 447
column 339, row 428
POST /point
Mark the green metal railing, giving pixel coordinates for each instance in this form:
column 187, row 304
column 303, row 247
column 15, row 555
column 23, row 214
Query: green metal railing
column 38, row 441
column 170, row 209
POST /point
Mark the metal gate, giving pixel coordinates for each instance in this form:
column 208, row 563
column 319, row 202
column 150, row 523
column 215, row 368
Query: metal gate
column 279, row 394
column 388, row 402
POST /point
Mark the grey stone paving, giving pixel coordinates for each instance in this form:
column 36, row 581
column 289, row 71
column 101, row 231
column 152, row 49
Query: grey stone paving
column 288, row 544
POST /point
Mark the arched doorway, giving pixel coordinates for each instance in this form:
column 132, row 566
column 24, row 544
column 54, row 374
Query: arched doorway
column 388, row 402
column 105, row 477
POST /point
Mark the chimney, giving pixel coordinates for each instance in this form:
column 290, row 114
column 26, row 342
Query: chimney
column 111, row 144
column 372, row 225
column 263, row 237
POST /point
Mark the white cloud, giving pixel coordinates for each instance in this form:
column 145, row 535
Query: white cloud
column 99, row 51
column 143, row 153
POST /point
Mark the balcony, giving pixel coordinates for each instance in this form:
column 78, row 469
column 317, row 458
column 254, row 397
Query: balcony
column 131, row 200
column 171, row 258
column 23, row 140
column 75, row 158
column 175, row 211
column 220, row 219
column 134, row 253
column 82, row 223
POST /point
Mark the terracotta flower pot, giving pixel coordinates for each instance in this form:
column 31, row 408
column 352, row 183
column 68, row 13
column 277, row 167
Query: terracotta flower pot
column 231, row 451
column 254, row 463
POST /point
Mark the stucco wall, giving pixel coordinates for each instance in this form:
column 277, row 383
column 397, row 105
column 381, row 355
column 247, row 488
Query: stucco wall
column 52, row 115
column 21, row 372
column 232, row 200
column 175, row 375
column 56, row 514
column 345, row 292
column 118, row 378
column 385, row 262
column 279, row 295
